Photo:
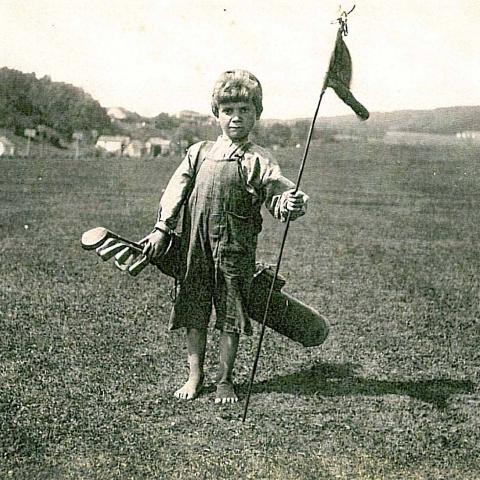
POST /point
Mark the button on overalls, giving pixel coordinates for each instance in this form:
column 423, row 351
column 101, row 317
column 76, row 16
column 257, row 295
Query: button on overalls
column 219, row 235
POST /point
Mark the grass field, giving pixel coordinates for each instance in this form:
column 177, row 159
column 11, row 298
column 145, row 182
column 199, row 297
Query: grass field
column 389, row 253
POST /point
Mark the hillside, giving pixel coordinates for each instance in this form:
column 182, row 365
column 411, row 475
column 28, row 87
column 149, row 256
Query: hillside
column 446, row 120
column 57, row 109
column 27, row 102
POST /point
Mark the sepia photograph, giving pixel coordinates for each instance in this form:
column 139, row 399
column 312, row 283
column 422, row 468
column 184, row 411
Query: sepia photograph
column 239, row 240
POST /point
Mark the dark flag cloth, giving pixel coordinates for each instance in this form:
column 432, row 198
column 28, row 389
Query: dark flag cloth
column 339, row 76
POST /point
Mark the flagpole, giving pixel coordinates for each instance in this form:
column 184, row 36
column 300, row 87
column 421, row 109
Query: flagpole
column 280, row 255
column 335, row 78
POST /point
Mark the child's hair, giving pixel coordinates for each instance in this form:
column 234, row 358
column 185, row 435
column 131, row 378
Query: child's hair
column 237, row 86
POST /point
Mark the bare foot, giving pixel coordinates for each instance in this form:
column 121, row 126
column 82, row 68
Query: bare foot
column 190, row 390
column 225, row 393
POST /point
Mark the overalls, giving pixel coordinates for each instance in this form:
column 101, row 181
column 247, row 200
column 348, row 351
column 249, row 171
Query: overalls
column 219, row 235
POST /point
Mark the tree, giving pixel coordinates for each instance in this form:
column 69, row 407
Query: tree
column 300, row 131
column 279, row 134
column 26, row 102
column 186, row 133
column 163, row 121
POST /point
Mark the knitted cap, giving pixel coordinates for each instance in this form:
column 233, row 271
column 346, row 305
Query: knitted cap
column 236, row 86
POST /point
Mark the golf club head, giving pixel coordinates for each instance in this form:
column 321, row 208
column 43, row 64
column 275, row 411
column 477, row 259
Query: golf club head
column 125, row 258
column 128, row 254
column 95, row 237
column 135, row 268
column 106, row 253
column 107, row 243
column 123, row 255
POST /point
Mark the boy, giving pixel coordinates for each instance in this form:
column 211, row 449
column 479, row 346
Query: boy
column 223, row 185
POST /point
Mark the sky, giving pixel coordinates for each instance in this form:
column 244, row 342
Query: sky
column 152, row 56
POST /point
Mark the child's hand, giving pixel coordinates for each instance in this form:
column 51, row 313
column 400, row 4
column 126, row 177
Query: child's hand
column 155, row 244
column 297, row 202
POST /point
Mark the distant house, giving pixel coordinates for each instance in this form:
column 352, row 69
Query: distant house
column 156, row 146
column 394, row 137
column 135, row 148
column 344, row 137
column 112, row 143
column 468, row 135
column 195, row 117
column 116, row 113
column 189, row 115
column 6, row 147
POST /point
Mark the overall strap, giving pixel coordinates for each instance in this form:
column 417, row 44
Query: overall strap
column 240, row 151
column 198, row 151
column 200, row 156
column 241, row 154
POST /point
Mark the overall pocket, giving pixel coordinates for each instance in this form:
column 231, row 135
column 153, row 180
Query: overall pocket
column 242, row 232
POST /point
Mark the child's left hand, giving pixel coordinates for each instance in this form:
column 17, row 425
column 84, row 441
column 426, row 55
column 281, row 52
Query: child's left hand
column 297, row 202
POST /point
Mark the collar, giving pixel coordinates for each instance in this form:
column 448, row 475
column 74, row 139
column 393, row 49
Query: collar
column 226, row 139
column 226, row 148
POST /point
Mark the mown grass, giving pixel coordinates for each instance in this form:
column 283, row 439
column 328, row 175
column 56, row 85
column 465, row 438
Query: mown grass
column 388, row 253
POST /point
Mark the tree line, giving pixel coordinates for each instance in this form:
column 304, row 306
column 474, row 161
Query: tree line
column 27, row 102
column 264, row 133
column 56, row 110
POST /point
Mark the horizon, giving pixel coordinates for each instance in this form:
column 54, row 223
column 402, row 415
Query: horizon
column 349, row 113
column 319, row 116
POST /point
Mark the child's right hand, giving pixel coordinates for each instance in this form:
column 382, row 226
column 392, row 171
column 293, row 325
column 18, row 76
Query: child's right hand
column 155, row 244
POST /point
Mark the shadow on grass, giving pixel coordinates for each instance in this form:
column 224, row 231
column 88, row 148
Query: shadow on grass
column 333, row 380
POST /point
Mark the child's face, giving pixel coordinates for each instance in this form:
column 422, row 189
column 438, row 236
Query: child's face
column 237, row 119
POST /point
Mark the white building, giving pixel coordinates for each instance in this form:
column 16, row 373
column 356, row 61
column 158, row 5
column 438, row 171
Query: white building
column 195, row 117
column 116, row 113
column 135, row 148
column 189, row 115
column 6, row 147
column 468, row 135
column 157, row 146
column 112, row 143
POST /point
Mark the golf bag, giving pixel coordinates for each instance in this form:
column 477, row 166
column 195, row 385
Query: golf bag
column 287, row 315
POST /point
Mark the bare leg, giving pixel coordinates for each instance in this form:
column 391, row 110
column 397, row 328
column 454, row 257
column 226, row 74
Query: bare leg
column 196, row 345
column 228, row 353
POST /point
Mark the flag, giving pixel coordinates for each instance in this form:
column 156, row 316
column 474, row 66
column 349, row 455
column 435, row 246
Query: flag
column 339, row 76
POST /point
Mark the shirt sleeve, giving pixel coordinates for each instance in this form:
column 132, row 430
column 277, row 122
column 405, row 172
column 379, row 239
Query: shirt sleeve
column 177, row 190
column 265, row 177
